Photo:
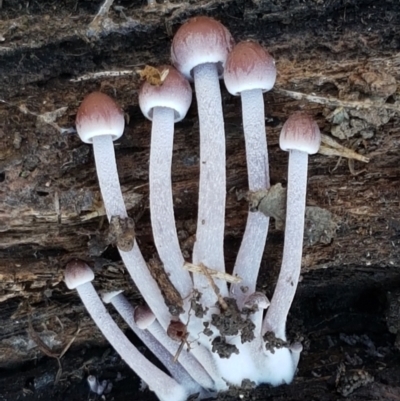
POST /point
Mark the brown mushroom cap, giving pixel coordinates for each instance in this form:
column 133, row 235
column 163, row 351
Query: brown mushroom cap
column 300, row 132
column 99, row 115
column 200, row 40
column 77, row 272
column 249, row 66
column 175, row 93
column 143, row 316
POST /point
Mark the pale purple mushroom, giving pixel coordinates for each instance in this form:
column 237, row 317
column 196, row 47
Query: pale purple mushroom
column 258, row 302
column 249, row 72
column 164, row 105
column 143, row 318
column 100, row 121
column 199, row 51
column 138, row 319
column 300, row 136
column 78, row 275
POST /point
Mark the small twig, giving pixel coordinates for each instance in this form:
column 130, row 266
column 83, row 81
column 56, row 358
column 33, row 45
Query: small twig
column 336, row 149
column 184, row 340
column 332, row 101
column 104, row 9
column 47, row 351
column 94, row 26
column 59, row 371
column 70, row 342
column 212, row 273
column 103, row 74
column 180, row 348
column 48, row 118
column 337, row 164
column 44, row 348
column 39, row 342
column 348, row 153
column 221, row 300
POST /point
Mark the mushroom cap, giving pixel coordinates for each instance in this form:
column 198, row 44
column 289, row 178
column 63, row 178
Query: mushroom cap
column 77, row 272
column 108, row 296
column 296, row 347
column 175, row 93
column 98, row 115
column 143, row 317
column 176, row 330
column 249, row 66
column 300, row 132
column 200, row 40
column 257, row 299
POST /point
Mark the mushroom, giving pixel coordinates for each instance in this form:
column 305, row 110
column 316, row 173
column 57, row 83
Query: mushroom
column 249, row 72
column 78, row 275
column 141, row 321
column 142, row 314
column 257, row 302
column 300, row 136
column 164, row 105
column 100, row 121
column 199, row 51
column 296, row 349
column 138, row 319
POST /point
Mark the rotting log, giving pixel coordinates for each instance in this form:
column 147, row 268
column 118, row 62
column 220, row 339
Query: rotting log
column 338, row 60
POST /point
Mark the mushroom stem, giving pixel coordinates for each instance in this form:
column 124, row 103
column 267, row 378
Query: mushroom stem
column 256, row 142
column 296, row 349
column 166, row 388
column 161, row 204
column 285, row 290
column 125, row 309
column 260, row 303
column 252, row 247
column 107, row 173
column 198, row 361
column 209, row 246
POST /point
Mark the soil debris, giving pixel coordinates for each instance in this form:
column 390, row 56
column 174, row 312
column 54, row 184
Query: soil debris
column 271, row 202
column 196, row 306
column 153, row 75
column 320, row 224
column 122, row 233
column 350, row 381
column 231, row 322
column 171, row 296
column 272, row 342
column 393, row 315
column 222, row 348
column 207, row 331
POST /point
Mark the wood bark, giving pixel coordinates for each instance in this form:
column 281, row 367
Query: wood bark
column 338, row 60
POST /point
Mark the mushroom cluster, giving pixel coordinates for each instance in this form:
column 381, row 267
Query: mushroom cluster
column 221, row 335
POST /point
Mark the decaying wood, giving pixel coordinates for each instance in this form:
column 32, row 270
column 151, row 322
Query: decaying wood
column 337, row 60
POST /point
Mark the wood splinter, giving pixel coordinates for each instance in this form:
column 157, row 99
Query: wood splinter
column 209, row 273
column 213, row 273
column 335, row 149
